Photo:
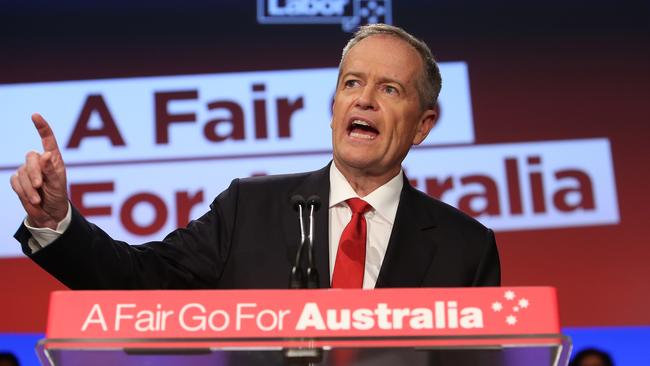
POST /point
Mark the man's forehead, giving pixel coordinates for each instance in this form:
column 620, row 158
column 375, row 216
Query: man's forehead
column 390, row 54
column 383, row 37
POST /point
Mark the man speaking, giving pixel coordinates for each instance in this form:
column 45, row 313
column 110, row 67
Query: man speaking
column 374, row 229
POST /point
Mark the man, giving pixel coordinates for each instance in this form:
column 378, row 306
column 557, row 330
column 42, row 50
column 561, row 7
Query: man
column 591, row 357
column 385, row 102
column 8, row 359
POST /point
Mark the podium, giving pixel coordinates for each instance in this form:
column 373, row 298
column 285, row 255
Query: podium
column 428, row 326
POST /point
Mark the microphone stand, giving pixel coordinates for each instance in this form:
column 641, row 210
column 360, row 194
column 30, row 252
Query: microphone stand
column 296, row 278
column 304, row 355
column 312, row 272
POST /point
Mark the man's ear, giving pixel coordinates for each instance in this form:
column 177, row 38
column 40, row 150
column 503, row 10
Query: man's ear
column 428, row 119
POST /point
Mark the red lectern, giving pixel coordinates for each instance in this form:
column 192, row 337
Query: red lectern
column 431, row 326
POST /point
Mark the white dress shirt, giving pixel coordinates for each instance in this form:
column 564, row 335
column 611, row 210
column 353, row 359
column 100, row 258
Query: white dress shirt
column 380, row 219
column 42, row 236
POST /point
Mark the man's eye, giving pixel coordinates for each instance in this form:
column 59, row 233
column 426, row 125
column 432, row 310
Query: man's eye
column 351, row 83
column 391, row 90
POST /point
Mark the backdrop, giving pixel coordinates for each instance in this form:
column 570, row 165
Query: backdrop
column 543, row 134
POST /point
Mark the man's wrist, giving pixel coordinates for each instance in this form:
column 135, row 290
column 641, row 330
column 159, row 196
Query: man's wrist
column 38, row 224
column 51, row 223
column 45, row 235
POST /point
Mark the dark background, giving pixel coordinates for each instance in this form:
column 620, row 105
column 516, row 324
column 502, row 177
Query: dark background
column 538, row 70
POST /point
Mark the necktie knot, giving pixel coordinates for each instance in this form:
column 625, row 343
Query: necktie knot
column 358, row 206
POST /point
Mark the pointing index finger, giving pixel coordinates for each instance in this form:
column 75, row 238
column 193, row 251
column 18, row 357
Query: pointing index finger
column 47, row 136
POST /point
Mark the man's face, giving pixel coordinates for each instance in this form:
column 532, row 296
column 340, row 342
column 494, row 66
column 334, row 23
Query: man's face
column 377, row 114
column 592, row 360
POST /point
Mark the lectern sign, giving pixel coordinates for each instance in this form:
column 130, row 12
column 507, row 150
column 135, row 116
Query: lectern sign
column 274, row 314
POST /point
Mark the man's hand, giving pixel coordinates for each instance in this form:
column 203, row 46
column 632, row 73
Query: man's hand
column 40, row 183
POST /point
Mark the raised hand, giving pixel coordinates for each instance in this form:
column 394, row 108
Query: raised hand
column 40, row 182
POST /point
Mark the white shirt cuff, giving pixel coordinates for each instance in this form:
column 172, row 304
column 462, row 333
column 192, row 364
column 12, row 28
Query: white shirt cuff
column 42, row 236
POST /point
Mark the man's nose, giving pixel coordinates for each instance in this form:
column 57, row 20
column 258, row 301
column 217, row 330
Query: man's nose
column 367, row 98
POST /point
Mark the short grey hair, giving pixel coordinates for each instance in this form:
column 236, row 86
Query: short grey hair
column 429, row 83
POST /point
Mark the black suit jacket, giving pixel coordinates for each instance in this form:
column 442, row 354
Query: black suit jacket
column 249, row 238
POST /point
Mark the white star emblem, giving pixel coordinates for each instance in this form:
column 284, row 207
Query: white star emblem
column 515, row 309
column 511, row 320
column 523, row 303
column 496, row 306
column 509, row 295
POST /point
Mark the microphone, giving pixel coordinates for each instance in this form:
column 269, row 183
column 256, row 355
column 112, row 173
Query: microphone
column 296, row 279
column 313, row 202
column 304, row 355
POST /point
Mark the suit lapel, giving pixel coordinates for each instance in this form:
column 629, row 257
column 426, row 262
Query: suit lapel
column 316, row 183
column 412, row 246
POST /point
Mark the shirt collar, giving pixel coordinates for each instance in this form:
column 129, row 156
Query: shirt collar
column 384, row 200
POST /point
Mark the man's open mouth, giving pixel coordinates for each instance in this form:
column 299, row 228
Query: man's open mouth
column 362, row 130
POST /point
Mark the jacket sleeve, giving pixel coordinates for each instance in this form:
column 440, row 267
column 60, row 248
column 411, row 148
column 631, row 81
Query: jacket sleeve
column 488, row 272
column 86, row 257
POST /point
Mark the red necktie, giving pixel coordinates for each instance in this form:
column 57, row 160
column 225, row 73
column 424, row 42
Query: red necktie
column 351, row 254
